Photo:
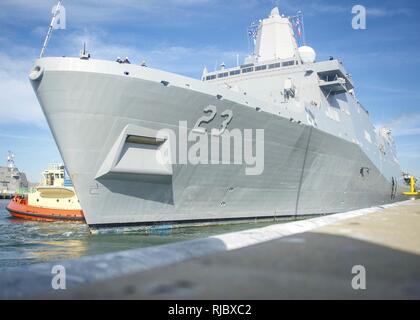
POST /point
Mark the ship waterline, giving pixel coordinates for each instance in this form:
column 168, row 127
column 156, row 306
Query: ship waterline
column 321, row 153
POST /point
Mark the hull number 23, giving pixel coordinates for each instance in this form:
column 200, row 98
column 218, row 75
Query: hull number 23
column 210, row 114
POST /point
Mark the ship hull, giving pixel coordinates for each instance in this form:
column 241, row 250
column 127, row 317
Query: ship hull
column 306, row 171
column 19, row 208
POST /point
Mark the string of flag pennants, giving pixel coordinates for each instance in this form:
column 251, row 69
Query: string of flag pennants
column 252, row 35
column 298, row 27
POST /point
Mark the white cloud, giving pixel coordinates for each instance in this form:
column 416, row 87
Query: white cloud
column 386, row 92
column 311, row 8
column 316, row 7
column 18, row 102
column 405, row 125
column 156, row 12
column 409, row 155
column 387, row 12
column 26, row 137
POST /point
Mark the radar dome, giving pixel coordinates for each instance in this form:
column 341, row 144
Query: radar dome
column 307, row 54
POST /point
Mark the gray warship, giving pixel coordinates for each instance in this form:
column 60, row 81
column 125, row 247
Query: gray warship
column 321, row 152
column 11, row 179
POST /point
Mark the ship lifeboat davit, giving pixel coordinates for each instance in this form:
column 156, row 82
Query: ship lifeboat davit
column 19, row 208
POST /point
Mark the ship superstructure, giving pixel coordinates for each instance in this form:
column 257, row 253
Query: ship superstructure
column 320, row 152
column 55, row 191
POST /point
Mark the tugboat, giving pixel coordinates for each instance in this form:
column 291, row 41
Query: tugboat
column 53, row 200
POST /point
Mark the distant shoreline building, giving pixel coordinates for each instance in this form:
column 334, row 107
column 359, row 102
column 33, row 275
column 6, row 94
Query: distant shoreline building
column 11, row 179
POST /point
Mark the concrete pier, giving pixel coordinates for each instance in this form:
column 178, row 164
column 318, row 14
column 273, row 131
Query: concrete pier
column 310, row 265
column 372, row 253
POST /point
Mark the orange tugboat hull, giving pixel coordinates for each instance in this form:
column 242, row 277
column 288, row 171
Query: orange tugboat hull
column 19, row 208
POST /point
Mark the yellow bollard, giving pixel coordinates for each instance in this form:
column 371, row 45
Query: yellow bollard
column 413, row 191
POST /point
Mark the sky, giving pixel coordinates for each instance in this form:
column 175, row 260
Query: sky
column 184, row 36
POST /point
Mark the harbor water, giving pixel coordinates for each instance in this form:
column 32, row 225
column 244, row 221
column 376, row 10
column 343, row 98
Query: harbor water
column 27, row 242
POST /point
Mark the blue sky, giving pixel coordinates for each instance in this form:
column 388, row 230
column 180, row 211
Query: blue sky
column 183, row 36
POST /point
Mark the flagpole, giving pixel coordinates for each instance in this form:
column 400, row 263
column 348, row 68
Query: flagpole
column 47, row 38
column 303, row 28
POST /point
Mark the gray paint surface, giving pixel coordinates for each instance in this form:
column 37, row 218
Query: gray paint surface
column 315, row 145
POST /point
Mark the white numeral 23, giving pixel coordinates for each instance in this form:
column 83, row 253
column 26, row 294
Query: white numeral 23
column 212, row 111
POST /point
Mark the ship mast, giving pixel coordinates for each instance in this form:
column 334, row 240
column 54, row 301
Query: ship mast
column 10, row 160
column 275, row 38
column 50, row 29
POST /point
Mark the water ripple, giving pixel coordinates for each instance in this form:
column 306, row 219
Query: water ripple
column 28, row 242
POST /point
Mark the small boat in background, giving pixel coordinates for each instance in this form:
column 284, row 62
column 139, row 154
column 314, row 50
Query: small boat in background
column 11, row 178
column 53, row 200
